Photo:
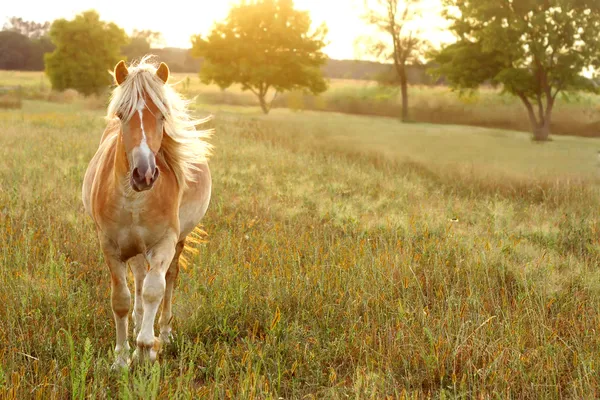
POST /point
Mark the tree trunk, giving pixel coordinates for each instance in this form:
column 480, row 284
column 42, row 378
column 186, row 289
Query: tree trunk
column 541, row 133
column 541, row 128
column 263, row 104
column 404, row 90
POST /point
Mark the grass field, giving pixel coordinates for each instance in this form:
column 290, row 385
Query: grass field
column 574, row 115
column 347, row 256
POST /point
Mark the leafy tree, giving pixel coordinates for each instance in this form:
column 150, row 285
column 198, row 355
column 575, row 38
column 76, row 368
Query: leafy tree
column 140, row 43
column 86, row 48
column 400, row 43
column 264, row 45
column 534, row 49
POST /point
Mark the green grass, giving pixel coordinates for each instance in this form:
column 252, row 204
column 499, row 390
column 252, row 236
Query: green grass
column 479, row 149
column 347, row 257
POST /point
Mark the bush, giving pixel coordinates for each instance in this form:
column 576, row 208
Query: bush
column 67, row 96
column 11, row 101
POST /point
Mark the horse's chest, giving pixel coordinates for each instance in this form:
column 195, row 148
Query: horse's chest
column 135, row 234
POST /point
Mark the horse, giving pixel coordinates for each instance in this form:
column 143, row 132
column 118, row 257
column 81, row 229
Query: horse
column 146, row 188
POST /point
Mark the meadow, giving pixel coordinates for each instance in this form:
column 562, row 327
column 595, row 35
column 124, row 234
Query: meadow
column 575, row 114
column 345, row 256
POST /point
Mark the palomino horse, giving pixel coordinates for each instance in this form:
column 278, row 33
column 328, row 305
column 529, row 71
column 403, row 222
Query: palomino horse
column 146, row 188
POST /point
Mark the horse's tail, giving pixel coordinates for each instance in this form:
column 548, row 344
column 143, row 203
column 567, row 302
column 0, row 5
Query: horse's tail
column 190, row 248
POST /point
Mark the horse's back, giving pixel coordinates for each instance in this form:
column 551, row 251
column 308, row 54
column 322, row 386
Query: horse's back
column 195, row 200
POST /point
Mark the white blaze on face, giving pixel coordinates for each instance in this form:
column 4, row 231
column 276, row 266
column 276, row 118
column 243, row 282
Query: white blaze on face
column 143, row 147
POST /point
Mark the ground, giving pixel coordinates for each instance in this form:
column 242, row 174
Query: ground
column 345, row 256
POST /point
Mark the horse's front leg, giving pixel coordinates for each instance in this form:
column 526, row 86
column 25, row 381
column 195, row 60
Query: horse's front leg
column 159, row 257
column 139, row 267
column 120, row 302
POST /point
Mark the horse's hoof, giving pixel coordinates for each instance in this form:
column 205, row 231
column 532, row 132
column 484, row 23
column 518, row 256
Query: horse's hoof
column 147, row 353
column 120, row 364
column 143, row 355
column 166, row 338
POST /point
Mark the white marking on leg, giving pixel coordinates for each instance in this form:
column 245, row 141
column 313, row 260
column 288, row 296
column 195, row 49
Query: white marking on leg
column 153, row 293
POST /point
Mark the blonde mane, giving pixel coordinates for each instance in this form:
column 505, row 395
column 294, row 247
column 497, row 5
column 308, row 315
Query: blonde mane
column 183, row 146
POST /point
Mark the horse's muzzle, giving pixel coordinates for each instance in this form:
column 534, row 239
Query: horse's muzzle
column 144, row 178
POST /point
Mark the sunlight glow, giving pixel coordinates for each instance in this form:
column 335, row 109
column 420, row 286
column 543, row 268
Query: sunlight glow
column 177, row 20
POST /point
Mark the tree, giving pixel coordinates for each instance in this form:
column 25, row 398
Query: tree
column 401, row 43
column 31, row 29
column 140, row 43
column 534, row 49
column 86, row 48
column 264, row 45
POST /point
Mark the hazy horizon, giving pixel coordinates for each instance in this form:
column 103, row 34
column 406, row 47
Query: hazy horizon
column 180, row 21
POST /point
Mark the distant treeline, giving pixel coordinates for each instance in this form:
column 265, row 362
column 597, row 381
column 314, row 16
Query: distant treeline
column 180, row 60
column 24, row 43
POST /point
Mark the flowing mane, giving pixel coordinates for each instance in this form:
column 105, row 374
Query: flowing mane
column 183, row 146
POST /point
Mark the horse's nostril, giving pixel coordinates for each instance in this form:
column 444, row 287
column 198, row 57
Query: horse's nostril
column 136, row 174
column 156, row 172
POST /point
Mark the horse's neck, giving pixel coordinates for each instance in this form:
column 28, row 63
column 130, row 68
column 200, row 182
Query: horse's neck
column 121, row 164
column 120, row 169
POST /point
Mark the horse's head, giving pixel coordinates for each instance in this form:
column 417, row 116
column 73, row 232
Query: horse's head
column 142, row 131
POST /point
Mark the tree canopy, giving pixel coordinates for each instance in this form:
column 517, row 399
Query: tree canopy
column 86, row 48
column 534, row 49
column 264, row 45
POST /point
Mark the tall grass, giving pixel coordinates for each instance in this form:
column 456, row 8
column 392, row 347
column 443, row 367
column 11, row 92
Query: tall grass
column 331, row 271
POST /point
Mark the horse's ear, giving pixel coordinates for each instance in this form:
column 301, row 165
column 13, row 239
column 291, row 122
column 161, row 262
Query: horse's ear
column 163, row 72
column 121, row 72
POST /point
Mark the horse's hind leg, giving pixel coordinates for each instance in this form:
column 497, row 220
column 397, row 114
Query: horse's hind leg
column 171, row 278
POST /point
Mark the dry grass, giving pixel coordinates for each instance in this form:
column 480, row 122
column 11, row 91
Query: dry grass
column 577, row 115
column 438, row 105
column 334, row 268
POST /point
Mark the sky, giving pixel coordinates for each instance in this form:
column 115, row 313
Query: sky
column 178, row 20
